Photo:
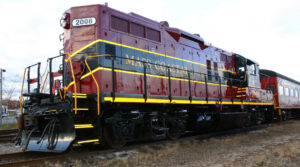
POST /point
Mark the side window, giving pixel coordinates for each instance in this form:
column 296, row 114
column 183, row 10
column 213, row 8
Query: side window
column 287, row 92
column 252, row 69
column 292, row 92
column 280, row 90
column 272, row 88
column 296, row 93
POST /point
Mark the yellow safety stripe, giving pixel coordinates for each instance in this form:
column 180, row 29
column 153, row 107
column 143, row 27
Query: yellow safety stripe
column 88, row 141
column 81, row 97
column 50, row 111
column 142, row 100
column 81, row 126
column 142, row 50
column 149, row 75
column 82, row 109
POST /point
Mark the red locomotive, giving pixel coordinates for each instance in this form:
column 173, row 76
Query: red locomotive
column 126, row 77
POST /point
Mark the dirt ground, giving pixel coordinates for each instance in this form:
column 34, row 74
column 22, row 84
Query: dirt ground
column 275, row 145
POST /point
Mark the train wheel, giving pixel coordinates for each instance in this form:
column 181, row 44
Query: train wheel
column 110, row 139
column 176, row 129
column 173, row 135
column 260, row 117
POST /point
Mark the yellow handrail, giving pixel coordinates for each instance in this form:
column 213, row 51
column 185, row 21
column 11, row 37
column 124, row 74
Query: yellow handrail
column 45, row 82
column 75, row 90
column 21, row 97
column 98, row 97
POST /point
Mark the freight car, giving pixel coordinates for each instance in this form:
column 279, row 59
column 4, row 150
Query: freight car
column 124, row 77
column 286, row 93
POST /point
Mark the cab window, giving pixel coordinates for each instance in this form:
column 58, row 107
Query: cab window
column 252, row 69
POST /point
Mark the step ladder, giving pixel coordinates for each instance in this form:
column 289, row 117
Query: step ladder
column 85, row 129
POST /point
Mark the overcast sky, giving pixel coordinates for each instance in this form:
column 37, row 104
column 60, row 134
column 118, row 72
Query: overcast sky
column 267, row 31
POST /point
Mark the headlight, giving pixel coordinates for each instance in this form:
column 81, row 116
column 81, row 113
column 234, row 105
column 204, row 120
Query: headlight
column 64, row 16
column 63, row 23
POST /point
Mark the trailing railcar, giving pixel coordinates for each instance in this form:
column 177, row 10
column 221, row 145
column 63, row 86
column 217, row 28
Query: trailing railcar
column 125, row 77
column 286, row 93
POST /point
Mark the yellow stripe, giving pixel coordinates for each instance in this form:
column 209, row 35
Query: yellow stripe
column 181, row 101
column 158, row 101
column 260, row 103
column 83, row 126
column 80, row 97
column 142, row 50
column 83, row 94
column 142, row 100
column 83, row 109
column 88, row 141
column 50, row 111
column 226, row 102
column 198, row 102
column 254, row 87
column 134, row 100
column 211, row 102
column 149, row 75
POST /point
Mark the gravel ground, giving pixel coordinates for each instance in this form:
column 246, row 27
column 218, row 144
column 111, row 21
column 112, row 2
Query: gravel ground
column 8, row 148
column 275, row 145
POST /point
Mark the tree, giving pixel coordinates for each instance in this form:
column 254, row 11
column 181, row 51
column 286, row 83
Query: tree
column 10, row 91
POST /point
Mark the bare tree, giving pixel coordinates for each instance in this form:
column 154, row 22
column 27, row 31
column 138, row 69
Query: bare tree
column 10, row 88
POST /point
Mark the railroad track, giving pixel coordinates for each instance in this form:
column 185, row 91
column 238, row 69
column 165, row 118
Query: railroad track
column 7, row 135
column 39, row 159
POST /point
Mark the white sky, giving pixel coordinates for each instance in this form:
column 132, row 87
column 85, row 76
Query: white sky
column 267, row 31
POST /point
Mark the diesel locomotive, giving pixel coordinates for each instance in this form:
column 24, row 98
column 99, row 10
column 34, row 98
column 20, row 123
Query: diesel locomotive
column 124, row 77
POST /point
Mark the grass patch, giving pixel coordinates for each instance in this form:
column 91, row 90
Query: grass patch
column 8, row 126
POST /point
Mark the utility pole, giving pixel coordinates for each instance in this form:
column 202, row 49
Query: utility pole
column 1, row 79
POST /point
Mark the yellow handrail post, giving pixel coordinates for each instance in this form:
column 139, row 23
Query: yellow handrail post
column 21, row 96
column 44, row 82
column 98, row 96
column 75, row 89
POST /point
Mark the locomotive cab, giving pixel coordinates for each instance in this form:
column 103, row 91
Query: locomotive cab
column 247, row 72
column 253, row 78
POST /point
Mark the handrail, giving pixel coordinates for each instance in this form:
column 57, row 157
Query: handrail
column 21, row 97
column 42, row 89
column 98, row 96
column 75, row 89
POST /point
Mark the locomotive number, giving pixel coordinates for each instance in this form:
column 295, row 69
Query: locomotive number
column 84, row 22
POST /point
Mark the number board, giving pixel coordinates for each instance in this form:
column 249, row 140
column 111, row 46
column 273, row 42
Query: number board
column 84, row 22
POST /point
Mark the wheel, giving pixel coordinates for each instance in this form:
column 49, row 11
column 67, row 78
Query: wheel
column 175, row 130
column 110, row 139
column 172, row 135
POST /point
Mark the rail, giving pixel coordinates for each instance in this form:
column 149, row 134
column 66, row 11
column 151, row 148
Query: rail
column 29, row 81
column 98, row 96
column 75, row 85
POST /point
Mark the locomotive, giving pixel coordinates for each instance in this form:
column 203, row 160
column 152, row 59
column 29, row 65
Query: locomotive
column 124, row 77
